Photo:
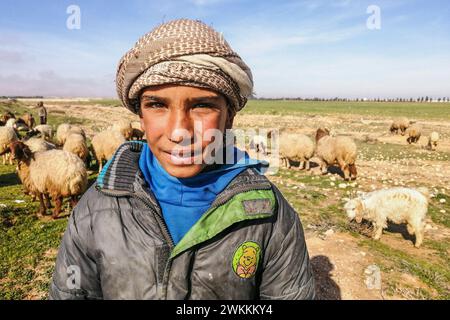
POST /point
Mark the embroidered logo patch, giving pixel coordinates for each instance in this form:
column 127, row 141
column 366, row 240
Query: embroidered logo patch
column 246, row 259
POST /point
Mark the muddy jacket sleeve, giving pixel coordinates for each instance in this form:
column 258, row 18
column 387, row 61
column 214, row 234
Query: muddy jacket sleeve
column 75, row 276
column 287, row 273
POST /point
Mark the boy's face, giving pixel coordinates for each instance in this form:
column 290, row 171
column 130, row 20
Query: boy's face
column 172, row 115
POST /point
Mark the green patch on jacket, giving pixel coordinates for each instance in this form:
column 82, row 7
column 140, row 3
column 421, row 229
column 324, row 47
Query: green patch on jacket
column 250, row 205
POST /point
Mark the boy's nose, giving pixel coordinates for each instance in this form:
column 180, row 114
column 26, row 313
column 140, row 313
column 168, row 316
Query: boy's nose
column 180, row 127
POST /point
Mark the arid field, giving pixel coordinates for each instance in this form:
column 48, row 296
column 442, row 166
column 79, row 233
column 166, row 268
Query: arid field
column 342, row 252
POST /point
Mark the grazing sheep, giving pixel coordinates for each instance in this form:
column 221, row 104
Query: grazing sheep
column 400, row 124
column 38, row 145
column 76, row 144
column 399, row 205
column 124, row 127
column 259, row 143
column 340, row 150
column 104, row 144
column 138, row 133
column 433, row 141
column 65, row 177
column 7, row 135
column 414, row 133
column 46, row 131
column 64, row 130
column 296, row 147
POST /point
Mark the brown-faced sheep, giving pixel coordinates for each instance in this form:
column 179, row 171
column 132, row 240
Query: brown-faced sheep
column 414, row 133
column 104, row 144
column 399, row 205
column 76, row 144
column 296, row 147
column 433, row 141
column 65, row 177
column 340, row 150
column 400, row 124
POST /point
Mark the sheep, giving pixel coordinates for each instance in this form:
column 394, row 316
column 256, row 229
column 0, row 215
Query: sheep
column 76, row 144
column 38, row 145
column 65, row 177
column 137, row 132
column 259, row 143
column 7, row 135
column 124, row 127
column 297, row 147
column 340, row 150
column 7, row 115
column 400, row 124
column 414, row 133
column 104, row 144
column 399, row 205
column 63, row 131
column 432, row 141
column 46, row 131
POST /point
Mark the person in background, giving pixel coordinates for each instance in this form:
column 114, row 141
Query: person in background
column 42, row 113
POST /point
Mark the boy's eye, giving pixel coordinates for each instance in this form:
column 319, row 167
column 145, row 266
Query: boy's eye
column 204, row 106
column 154, row 105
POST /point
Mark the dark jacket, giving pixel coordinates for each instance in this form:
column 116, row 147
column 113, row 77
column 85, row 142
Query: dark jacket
column 248, row 245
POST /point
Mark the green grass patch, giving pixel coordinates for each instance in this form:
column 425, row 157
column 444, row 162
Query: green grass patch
column 391, row 109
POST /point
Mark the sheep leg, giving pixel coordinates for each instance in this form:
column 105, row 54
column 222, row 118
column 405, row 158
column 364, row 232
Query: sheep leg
column 73, row 201
column 410, row 229
column 307, row 165
column 58, row 204
column 419, row 238
column 378, row 232
column 47, row 201
column 100, row 166
column 301, row 165
column 353, row 171
column 42, row 208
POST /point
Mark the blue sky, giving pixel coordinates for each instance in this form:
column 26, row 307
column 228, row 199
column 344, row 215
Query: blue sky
column 294, row 48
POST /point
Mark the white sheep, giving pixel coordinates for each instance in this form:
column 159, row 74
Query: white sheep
column 38, row 145
column 65, row 177
column 259, row 143
column 433, row 140
column 399, row 205
column 104, row 144
column 45, row 130
column 7, row 135
column 296, row 147
column 76, row 144
column 340, row 150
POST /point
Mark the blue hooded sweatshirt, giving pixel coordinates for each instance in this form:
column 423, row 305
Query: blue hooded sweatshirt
column 184, row 200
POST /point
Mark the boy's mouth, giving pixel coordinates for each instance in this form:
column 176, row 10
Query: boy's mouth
column 180, row 156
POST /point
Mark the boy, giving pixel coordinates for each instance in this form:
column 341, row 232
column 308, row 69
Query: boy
column 164, row 222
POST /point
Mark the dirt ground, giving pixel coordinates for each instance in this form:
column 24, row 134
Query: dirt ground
column 342, row 267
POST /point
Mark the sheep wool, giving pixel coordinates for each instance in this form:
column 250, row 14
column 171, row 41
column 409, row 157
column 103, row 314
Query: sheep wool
column 296, row 147
column 76, row 144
